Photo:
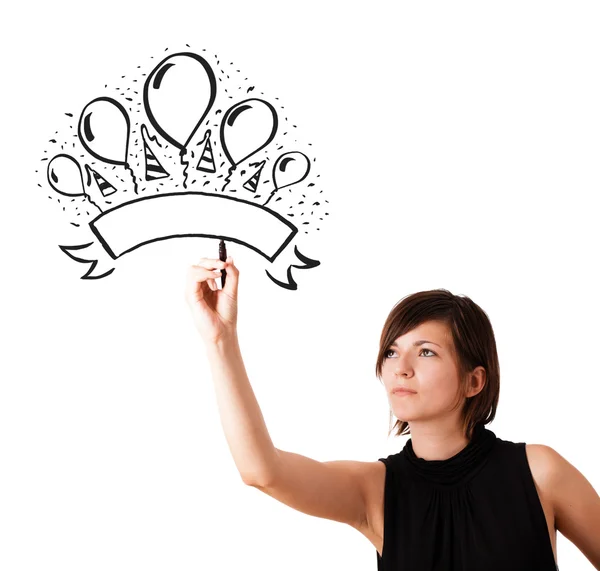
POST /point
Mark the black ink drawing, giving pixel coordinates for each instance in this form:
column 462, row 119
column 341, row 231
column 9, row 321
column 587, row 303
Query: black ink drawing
column 129, row 186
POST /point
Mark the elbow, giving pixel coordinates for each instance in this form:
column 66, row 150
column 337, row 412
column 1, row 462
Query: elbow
column 263, row 473
column 255, row 481
column 247, row 480
column 260, row 479
column 262, row 476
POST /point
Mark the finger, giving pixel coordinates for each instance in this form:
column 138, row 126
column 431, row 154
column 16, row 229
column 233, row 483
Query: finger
column 199, row 274
column 210, row 263
column 231, row 282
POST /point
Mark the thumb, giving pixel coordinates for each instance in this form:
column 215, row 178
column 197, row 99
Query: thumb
column 231, row 281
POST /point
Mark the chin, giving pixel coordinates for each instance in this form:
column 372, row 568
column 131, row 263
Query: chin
column 405, row 418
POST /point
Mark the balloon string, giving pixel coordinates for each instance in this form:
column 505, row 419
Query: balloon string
column 271, row 196
column 185, row 165
column 90, row 199
column 135, row 184
column 228, row 179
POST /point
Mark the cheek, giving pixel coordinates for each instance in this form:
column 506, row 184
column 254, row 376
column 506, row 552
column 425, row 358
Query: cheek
column 438, row 388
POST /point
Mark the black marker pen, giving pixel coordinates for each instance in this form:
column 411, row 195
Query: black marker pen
column 223, row 258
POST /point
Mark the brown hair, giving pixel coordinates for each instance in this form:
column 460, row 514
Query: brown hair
column 474, row 345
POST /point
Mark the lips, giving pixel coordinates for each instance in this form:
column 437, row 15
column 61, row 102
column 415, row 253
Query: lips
column 403, row 390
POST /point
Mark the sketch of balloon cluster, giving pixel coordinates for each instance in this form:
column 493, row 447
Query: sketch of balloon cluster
column 185, row 150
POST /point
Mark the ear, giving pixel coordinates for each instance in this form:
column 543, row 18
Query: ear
column 477, row 379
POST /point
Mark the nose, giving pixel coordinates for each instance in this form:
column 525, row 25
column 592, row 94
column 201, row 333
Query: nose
column 402, row 367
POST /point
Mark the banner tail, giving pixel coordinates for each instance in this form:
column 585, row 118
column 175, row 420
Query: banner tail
column 290, row 283
column 96, row 271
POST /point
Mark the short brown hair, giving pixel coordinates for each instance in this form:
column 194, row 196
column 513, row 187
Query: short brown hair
column 474, row 345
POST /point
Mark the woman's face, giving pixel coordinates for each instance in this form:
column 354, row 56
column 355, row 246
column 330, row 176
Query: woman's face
column 422, row 360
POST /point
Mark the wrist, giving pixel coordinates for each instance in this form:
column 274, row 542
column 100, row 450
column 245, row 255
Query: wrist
column 223, row 341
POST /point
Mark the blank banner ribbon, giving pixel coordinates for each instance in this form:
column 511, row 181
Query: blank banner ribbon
column 192, row 214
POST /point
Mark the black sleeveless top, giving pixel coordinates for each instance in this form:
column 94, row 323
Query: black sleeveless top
column 478, row 510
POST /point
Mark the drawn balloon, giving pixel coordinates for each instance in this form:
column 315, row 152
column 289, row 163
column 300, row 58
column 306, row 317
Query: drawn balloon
column 65, row 176
column 178, row 95
column 246, row 128
column 104, row 130
column 290, row 168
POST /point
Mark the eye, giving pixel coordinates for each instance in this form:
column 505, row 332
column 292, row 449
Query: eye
column 385, row 356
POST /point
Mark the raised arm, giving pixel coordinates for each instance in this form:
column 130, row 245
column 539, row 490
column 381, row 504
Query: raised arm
column 249, row 442
column 332, row 490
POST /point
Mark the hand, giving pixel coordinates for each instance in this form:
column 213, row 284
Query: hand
column 214, row 310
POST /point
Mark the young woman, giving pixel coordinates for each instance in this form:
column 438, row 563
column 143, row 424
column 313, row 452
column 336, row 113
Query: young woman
column 456, row 497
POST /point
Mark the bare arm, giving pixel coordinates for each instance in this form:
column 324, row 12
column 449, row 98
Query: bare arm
column 245, row 430
column 331, row 490
column 576, row 505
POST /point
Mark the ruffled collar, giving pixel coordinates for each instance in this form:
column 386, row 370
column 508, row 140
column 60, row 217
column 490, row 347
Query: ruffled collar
column 458, row 467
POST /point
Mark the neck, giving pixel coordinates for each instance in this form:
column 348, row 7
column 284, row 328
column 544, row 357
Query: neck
column 437, row 440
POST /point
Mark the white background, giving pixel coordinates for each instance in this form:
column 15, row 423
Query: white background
column 459, row 146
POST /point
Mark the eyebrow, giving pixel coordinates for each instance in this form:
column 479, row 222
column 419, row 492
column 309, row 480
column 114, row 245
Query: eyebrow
column 417, row 343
